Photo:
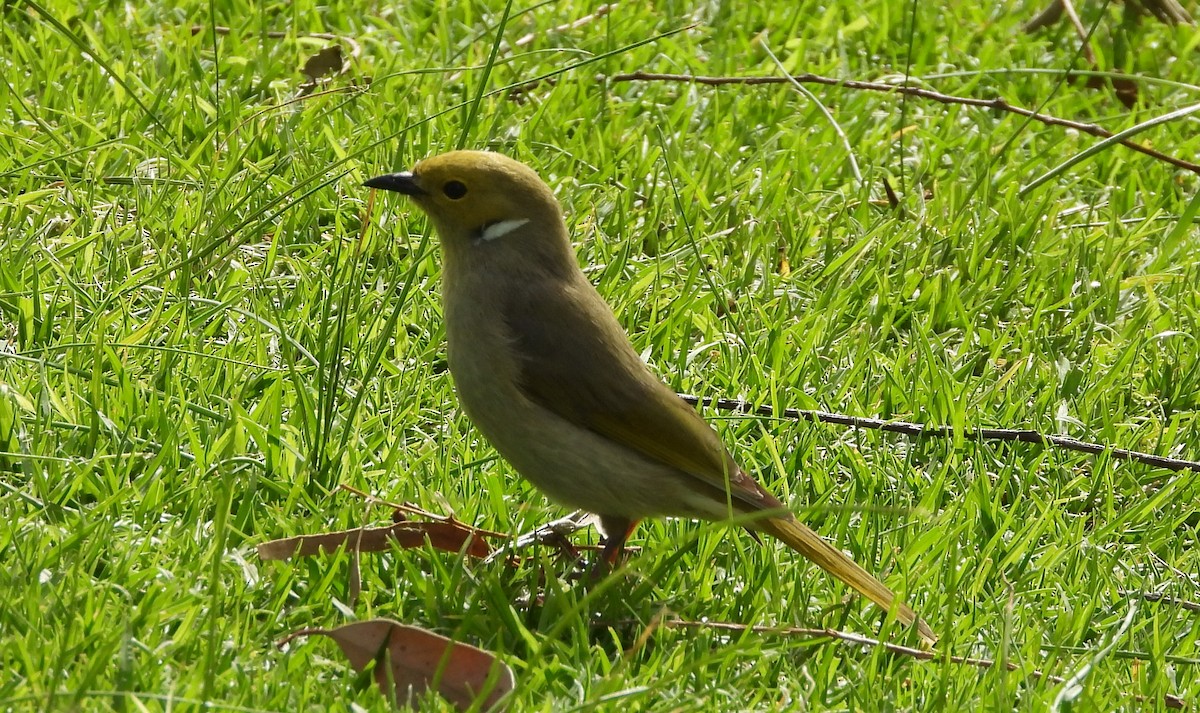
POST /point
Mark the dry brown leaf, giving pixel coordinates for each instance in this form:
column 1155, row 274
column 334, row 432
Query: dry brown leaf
column 410, row 660
column 449, row 536
column 327, row 62
column 1125, row 89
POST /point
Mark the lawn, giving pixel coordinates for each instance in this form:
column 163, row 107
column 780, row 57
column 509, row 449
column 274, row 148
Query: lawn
column 207, row 326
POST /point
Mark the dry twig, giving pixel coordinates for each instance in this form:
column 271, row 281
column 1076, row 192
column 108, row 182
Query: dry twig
column 994, row 104
column 1185, row 604
column 1168, row 11
column 568, row 26
column 1069, row 8
column 919, row 430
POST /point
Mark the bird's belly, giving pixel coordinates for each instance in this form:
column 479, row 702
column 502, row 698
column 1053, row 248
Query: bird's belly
column 579, row 468
column 569, row 464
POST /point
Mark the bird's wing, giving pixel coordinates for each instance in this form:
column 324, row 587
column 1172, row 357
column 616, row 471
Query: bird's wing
column 595, row 379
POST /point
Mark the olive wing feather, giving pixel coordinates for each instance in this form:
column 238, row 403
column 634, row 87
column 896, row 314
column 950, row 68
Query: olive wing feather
column 576, row 361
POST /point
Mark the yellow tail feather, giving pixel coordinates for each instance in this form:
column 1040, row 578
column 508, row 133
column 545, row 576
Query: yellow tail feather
column 801, row 538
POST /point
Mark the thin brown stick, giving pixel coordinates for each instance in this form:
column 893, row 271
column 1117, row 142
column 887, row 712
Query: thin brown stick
column 852, row 638
column 568, row 26
column 919, row 430
column 1186, row 604
column 994, row 104
column 1050, row 16
column 1168, row 11
column 1069, row 8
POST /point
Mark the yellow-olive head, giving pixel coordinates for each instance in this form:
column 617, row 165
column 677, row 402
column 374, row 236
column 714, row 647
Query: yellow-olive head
column 480, row 197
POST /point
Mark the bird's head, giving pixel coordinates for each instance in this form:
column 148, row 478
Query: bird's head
column 477, row 198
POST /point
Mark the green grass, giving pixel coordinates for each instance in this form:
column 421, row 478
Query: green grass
column 200, row 339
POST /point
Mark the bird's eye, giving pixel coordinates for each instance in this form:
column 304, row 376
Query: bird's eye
column 454, row 190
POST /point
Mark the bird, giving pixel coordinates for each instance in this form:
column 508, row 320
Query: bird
column 547, row 374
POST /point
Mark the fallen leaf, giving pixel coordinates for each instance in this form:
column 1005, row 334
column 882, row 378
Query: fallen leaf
column 410, row 661
column 328, row 61
column 1125, row 89
column 449, row 536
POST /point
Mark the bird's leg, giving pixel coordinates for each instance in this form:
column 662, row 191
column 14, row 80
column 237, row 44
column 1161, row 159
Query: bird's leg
column 616, row 530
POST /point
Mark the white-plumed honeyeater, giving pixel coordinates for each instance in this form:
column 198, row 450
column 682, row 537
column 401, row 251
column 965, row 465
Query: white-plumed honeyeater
column 545, row 372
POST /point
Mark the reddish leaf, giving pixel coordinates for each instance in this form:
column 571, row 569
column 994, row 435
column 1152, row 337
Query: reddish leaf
column 410, row 660
column 449, row 536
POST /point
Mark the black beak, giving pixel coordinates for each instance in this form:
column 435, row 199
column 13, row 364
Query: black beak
column 403, row 182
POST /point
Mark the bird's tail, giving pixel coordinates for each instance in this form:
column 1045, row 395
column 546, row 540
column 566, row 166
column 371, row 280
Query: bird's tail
column 801, row 538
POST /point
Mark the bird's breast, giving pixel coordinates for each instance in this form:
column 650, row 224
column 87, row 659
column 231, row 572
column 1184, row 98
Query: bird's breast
column 571, row 465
